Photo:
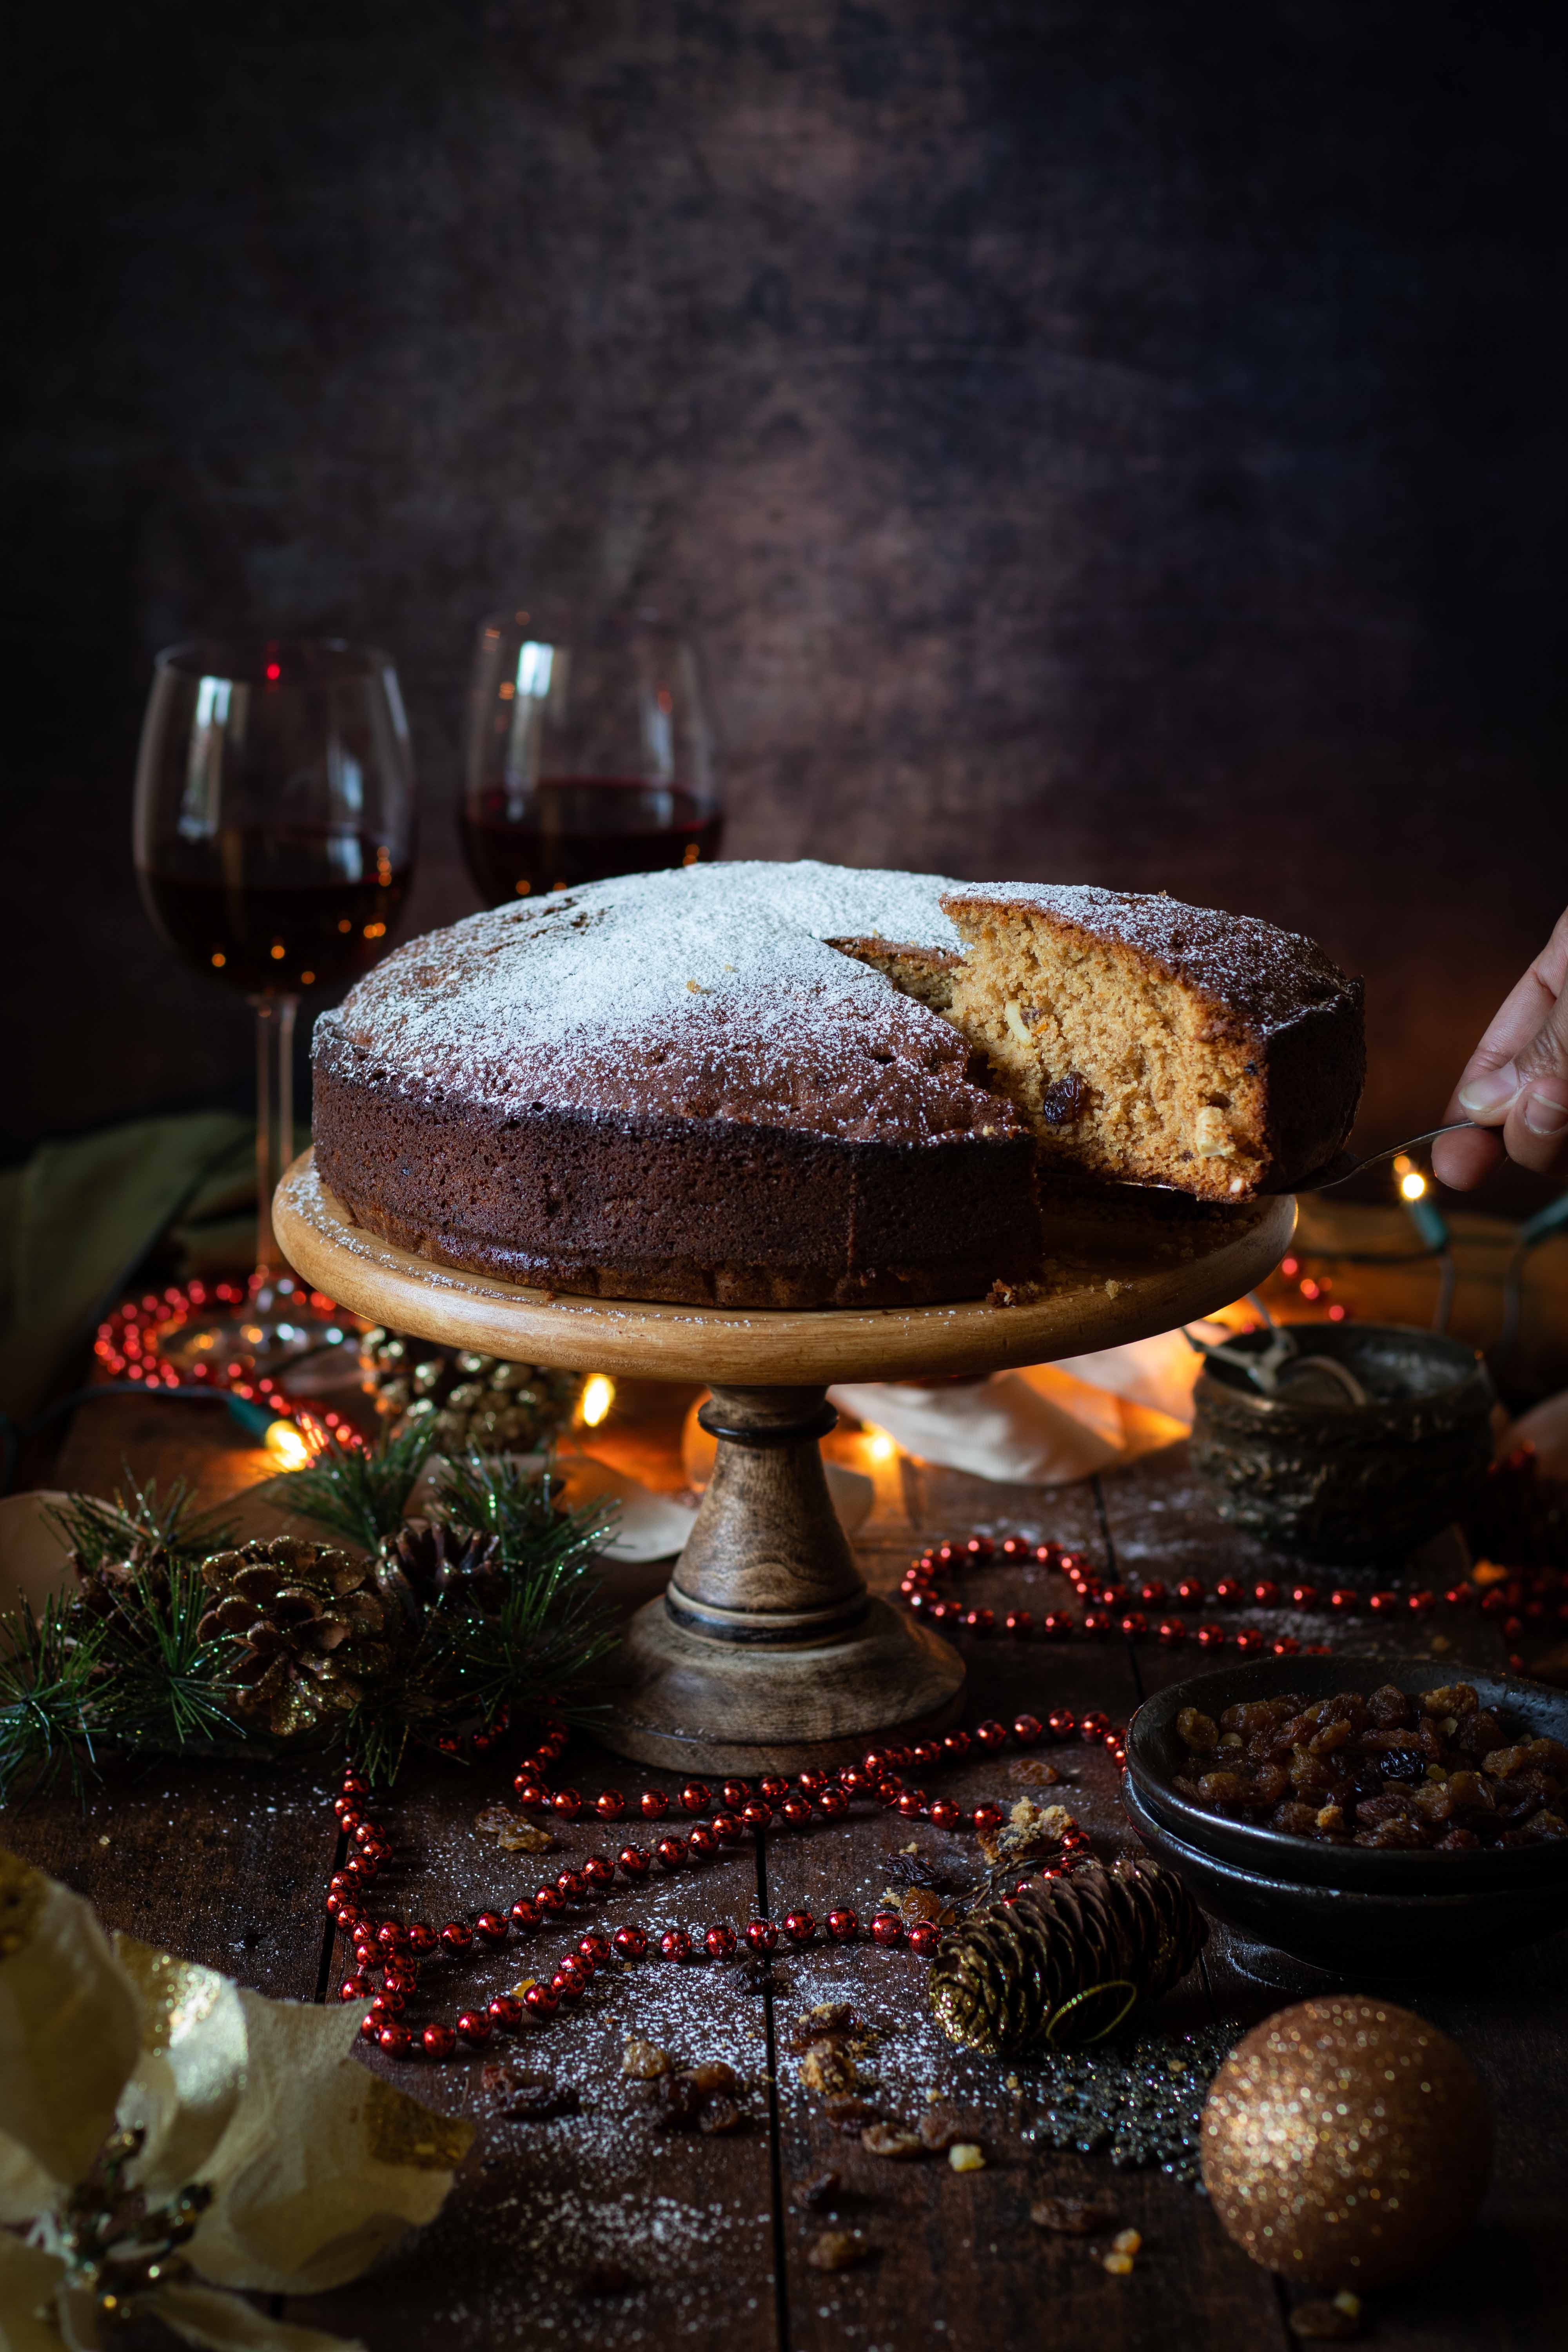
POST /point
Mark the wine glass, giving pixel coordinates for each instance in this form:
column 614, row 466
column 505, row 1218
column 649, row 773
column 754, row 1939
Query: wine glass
column 274, row 841
column 589, row 752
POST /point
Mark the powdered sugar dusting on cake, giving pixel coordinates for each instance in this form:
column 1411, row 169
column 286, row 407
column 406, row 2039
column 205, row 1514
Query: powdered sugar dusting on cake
column 1263, row 975
column 708, row 991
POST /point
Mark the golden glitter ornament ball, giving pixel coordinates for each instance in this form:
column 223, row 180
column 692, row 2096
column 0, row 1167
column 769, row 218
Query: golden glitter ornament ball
column 1346, row 2143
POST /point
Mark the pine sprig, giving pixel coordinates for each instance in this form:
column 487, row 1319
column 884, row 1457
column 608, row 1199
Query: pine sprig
column 468, row 1666
column 125, row 1663
column 357, row 1495
column 47, row 1669
column 136, row 1526
column 169, row 1688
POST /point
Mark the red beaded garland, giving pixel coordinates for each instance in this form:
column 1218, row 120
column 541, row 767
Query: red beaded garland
column 390, row 1949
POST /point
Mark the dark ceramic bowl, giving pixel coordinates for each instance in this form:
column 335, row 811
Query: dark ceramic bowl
column 1338, row 1481
column 1349, row 1931
column 1346, row 1908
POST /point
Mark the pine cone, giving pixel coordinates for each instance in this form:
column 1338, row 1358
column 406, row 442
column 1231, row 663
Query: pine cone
column 310, row 1626
column 471, row 1400
column 1068, row 1960
column 427, row 1559
column 110, row 1584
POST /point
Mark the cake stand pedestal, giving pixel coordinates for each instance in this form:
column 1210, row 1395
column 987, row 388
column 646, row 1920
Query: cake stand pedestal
column 766, row 1653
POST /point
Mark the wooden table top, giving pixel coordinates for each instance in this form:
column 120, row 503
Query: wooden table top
column 230, row 1865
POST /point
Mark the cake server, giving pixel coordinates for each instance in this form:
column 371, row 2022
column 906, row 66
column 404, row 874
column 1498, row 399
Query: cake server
column 1343, row 1165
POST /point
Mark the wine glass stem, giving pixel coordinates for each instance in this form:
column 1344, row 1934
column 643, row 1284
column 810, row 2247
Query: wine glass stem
column 274, row 1115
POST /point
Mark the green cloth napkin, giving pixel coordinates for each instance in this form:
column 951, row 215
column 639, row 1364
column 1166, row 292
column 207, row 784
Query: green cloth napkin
column 78, row 1218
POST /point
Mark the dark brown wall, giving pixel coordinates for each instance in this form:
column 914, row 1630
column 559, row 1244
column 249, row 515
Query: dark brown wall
column 1109, row 440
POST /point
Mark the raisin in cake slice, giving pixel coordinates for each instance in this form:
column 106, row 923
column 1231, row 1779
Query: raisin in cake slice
column 1150, row 1042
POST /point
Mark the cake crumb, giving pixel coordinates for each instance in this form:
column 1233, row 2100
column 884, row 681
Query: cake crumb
column 966, row 2155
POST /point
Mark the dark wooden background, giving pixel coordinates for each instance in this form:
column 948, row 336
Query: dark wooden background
column 1113, row 441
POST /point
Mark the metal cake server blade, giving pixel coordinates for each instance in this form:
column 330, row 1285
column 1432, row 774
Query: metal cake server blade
column 1344, row 1165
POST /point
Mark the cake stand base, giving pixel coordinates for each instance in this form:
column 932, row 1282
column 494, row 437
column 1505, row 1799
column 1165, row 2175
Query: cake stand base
column 758, row 1710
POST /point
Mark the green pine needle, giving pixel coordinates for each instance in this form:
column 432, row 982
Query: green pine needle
column 357, row 1495
column 466, row 1666
column 137, row 1524
column 47, row 1668
column 169, row 1689
column 127, row 1663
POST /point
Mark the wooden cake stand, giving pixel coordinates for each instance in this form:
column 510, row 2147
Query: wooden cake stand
column 766, row 1653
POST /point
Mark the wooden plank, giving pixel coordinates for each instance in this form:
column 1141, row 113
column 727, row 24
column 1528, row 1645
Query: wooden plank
column 955, row 2258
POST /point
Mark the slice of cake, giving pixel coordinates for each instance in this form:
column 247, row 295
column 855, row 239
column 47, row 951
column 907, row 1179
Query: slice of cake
column 1155, row 1043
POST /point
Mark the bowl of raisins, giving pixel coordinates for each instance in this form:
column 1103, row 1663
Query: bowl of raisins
column 1360, row 1813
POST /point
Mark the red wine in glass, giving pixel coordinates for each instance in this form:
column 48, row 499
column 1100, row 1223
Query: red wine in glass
column 583, row 829
column 275, row 912
column 589, row 754
column 274, row 832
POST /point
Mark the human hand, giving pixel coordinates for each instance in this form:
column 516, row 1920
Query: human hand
column 1515, row 1084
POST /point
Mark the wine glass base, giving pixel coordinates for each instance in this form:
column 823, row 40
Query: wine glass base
column 279, row 1332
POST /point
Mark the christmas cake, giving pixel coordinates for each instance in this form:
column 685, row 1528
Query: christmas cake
column 809, row 1085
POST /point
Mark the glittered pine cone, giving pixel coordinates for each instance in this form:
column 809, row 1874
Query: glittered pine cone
column 427, row 1559
column 108, row 1585
column 1066, row 1961
column 472, row 1402
column 311, row 1627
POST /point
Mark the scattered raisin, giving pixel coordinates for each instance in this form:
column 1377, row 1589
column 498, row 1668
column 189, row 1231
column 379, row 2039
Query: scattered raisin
column 850, row 2114
column 836, row 2250
column 892, row 2140
column 818, row 2192
column 1070, row 2216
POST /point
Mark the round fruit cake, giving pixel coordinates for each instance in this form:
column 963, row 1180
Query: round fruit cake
column 811, row 1085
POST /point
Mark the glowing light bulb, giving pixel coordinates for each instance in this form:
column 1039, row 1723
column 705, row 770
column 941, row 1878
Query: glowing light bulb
column 879, row 1445
column 598, row 1396
column 287, row 1446
column 1413, row 1186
